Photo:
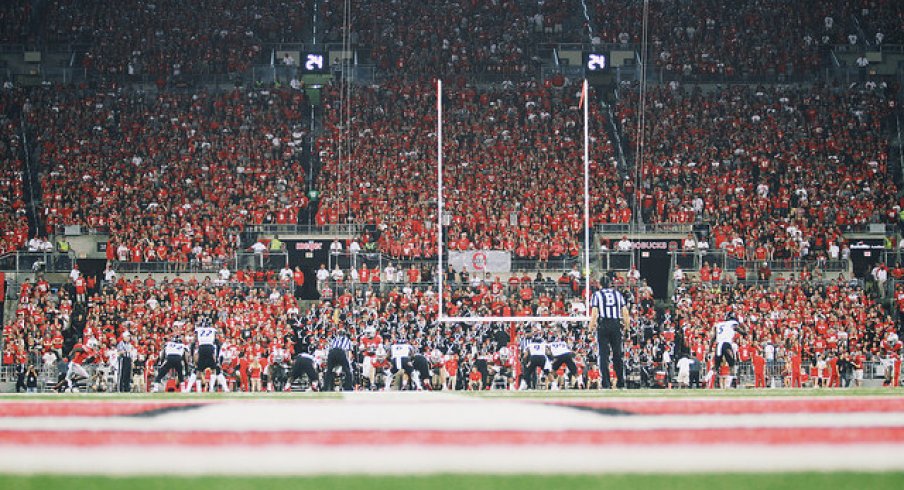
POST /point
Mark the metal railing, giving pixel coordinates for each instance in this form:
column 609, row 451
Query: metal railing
column 613, row 260
column 240, row 261
column 36, row 262
column 693, row 260
column 790, row 265
column 78, row 230
column 628, row 228
column 379, row 261
column 339, row 229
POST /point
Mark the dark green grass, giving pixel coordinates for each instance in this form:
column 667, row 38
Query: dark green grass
column 776, row 481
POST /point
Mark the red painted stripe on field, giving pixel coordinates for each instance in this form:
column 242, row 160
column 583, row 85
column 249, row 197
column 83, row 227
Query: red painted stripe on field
column 747, row 436
column 741, row 406
column 82, row 409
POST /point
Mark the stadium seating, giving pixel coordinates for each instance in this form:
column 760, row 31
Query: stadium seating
column 171, row 176
column 168, row 37
column 13, row 220
column 14, row 21
column 707, row 38
column 506, row 152
column 788, row 169
column 451, row 39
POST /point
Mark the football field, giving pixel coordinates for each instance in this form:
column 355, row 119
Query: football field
column 579, row 439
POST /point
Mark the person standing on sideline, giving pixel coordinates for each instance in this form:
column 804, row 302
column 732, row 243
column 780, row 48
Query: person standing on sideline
column 125, row 358
column 609, row 313
column 338, row 357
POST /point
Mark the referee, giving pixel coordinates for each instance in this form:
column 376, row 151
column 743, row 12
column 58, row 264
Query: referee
column 338, row 357
column 609, row 312
column 126, row 351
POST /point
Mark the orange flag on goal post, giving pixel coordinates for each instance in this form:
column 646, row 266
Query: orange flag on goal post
column 583, row 96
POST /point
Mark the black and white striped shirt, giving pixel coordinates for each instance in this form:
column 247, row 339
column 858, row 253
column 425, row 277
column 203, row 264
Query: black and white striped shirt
column 341, row 343
column 609, row 303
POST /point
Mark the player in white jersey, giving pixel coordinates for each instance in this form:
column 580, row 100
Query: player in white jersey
column 401, row 353
column 279, row 355
column 174, row 359
column 724, row 333
column 207, row 353
column 562, row 354
column 535, row 348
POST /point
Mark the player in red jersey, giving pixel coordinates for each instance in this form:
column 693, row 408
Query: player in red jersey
column 80, row 354
column 368, row 345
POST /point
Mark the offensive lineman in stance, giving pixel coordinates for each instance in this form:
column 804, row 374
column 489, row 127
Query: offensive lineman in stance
column 402, row 369
column 562, row 354
column 174, row 352
column 207, row 351
column 536, row 357
column 305, row 364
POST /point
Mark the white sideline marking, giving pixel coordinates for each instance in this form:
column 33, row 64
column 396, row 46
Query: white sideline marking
column 293, row 460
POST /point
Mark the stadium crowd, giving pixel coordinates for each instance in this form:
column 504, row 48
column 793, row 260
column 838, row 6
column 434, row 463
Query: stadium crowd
column 13, row 219
column 14, row 20
column 708, row 38
column 448, row 39
column 172, row 176
column 505, row 152
column 166, row 38
column 779, row 172
column 791, row 324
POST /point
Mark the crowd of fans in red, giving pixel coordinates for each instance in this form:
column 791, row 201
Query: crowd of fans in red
column 14, row 21
column 765, row 38
column 505, row 151
column 795, row 319
column 448, row 38
column 172, row 176
column 788, row 169
column 170, row 37
column 13, row 219
column 808, row 318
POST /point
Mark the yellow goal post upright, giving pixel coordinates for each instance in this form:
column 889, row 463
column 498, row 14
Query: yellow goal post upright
column 441, row 316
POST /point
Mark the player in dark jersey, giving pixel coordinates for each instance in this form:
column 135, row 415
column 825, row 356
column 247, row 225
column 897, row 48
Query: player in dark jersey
column 562, row 354
column 401, row 354
column 173, row 359
column 305, row 364
column 207, row 354
column 421, row 371
column 535, row 346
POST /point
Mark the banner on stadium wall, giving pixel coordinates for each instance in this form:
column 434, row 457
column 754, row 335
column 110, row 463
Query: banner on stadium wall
column 481, row 261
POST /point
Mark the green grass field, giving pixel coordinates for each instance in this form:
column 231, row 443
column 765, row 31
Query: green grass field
column 795, row 481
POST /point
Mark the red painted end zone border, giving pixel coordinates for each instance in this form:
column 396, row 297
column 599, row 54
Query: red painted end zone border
column 746, row 436
column 98, row 408
column 740, row 406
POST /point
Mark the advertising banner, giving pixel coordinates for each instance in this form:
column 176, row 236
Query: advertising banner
column 481, row 261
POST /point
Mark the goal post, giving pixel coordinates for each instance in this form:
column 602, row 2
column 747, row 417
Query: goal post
column 440, row 210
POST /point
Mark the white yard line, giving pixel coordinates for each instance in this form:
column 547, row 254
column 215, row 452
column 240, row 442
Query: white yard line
column 293, row 460
column 411, row 415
